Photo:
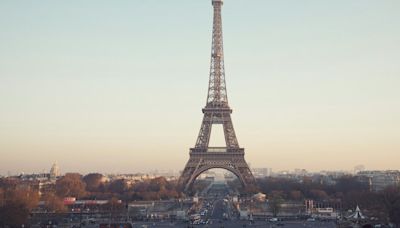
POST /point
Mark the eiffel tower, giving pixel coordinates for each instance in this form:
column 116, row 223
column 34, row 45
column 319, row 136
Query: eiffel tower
column 216, row 111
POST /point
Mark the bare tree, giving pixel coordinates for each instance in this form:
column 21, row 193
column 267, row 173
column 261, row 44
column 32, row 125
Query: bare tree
column 71, row 185
column 391, row 200
column 275, row 204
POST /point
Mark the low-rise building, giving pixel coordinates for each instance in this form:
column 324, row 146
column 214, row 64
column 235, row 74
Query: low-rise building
column 379, row 180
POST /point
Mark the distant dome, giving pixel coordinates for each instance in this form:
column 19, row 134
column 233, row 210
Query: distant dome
column 55, row 171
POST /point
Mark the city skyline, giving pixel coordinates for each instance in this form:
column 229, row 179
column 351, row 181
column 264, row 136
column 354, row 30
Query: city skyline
column 99, row 86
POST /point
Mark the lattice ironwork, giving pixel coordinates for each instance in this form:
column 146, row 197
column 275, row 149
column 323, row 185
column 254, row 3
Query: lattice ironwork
column 216, row 111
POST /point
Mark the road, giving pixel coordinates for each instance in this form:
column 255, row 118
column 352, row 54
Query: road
column 240, row 224
column 218, row 211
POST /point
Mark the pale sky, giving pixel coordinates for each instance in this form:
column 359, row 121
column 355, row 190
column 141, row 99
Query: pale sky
column 118, row 86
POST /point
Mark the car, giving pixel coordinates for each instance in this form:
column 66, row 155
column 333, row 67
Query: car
column 273, row 219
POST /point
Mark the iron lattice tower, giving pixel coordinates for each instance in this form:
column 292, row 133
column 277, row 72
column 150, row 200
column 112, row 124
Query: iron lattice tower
column 216, row 111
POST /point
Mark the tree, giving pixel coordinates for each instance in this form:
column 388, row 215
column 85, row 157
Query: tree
column 54, row 203
column 2, row 197
column 93, row 181
column 391, row 200
column 26, row 197
column 114, row 206
column 296, row 195
column 350, row 183
column 141, row 186
column 168, row 194
column 71, row 185
column 15, row 208
column 251, row 189
column 157, row 184
column 275, row 204
column 13, row 215
column 319, row 194
column 118, row 186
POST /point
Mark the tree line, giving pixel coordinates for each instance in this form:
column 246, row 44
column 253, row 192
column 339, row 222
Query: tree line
column 345, row 191
column 18, row 198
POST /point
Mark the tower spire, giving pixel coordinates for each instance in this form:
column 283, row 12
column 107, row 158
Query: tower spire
column 217, row 95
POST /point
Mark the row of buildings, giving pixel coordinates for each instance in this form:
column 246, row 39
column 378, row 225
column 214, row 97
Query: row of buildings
column 376, row 180
column 379, row 180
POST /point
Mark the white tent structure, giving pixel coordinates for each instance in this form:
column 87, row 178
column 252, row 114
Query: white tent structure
column 357, row 214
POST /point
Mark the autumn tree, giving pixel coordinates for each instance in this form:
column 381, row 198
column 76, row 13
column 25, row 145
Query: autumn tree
column 157, row 184
column 16, row 206
column 27, row 197
column 70, row 185
column 54, row 203
column 93, row 181
column 2, row 198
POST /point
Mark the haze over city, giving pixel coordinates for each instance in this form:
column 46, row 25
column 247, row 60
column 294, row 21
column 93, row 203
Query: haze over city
column 118, row 86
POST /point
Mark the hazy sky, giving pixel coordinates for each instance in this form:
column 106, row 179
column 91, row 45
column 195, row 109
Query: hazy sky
column 118, row 86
